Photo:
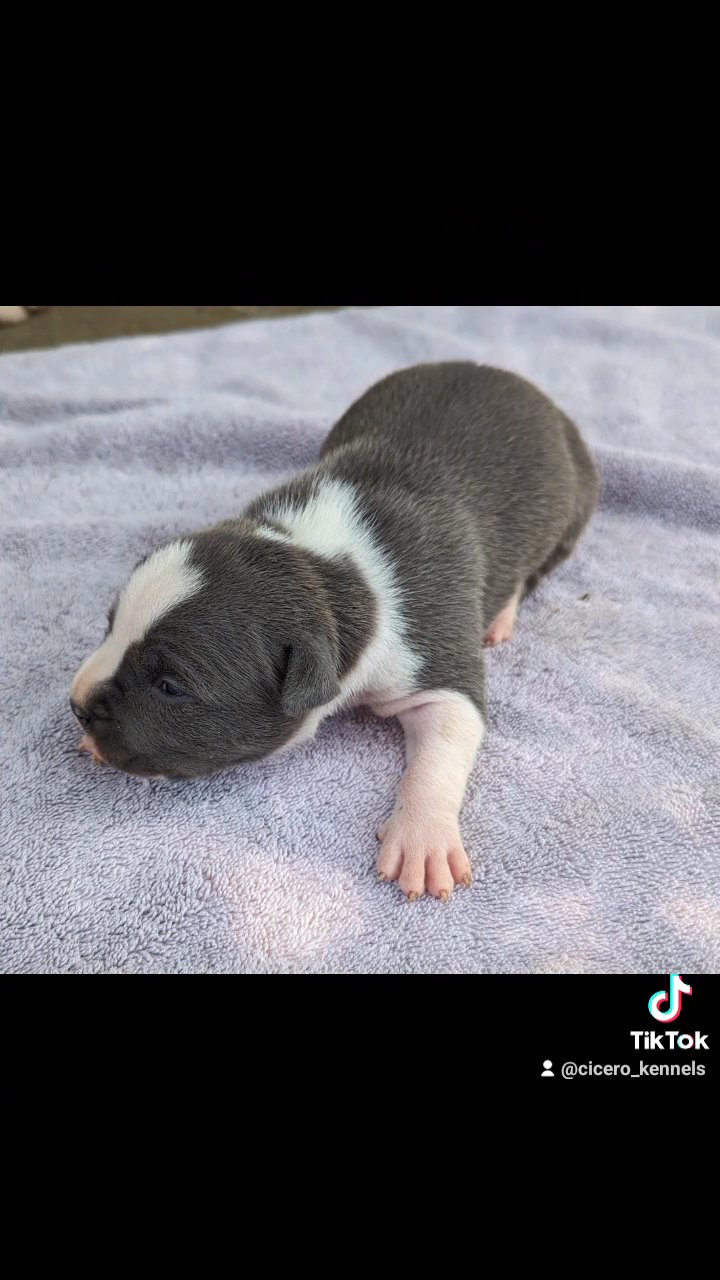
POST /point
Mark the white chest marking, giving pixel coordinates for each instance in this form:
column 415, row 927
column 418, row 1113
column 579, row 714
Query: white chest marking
column 330, row 525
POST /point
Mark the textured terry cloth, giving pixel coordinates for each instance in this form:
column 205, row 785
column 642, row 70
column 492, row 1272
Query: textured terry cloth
column 592, row 815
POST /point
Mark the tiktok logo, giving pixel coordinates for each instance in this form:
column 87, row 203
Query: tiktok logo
column 674, row 999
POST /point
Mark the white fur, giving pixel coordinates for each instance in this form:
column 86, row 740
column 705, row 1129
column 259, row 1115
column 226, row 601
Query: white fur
column 265, row 531
column 452, row 732
column 330, row 525
column 421, row 842
column 163, row 581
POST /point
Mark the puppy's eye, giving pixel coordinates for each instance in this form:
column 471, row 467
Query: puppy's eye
column 169, row 689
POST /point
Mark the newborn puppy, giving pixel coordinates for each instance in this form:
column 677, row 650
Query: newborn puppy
column 442, row 496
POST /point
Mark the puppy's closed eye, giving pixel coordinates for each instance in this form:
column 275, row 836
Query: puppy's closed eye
column 158, row 670
column 169, row 689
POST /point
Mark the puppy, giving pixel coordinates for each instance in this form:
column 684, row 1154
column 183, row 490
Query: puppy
column 442, row 497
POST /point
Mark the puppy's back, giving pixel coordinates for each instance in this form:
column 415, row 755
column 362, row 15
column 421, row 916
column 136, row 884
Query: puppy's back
column 482, row 441
column 493, row 436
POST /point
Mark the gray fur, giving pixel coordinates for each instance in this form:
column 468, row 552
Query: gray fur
column 263, row 643
column 473, row 483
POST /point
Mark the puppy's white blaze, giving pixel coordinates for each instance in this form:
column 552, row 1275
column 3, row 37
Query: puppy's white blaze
column 158, row 585
column 330, row 525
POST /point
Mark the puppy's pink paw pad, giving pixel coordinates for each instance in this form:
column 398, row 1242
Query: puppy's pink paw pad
column 423, row 860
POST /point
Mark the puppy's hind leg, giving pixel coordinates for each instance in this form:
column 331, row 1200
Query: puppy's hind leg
column 502, row 628
column 587, row 492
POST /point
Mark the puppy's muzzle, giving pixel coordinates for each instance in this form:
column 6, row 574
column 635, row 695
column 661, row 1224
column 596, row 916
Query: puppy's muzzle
column 87, row 715
column 81, row 714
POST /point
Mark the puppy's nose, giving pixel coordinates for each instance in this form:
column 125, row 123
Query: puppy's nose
column 81, row 714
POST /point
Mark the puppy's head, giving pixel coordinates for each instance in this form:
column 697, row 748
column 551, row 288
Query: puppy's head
column 217, row 649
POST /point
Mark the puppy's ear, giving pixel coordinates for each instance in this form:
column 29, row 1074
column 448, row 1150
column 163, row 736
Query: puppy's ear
column 311, row 675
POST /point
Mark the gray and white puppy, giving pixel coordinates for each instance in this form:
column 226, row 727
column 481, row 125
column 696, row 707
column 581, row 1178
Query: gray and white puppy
column 442, row 496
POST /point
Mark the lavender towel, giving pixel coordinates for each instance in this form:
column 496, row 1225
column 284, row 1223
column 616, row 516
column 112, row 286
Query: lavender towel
column 593, row 812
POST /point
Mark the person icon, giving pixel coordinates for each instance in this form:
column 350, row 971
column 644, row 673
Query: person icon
column 547, row 1065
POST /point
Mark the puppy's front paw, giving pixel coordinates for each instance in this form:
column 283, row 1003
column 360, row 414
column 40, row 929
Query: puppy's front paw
column 423, row 856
